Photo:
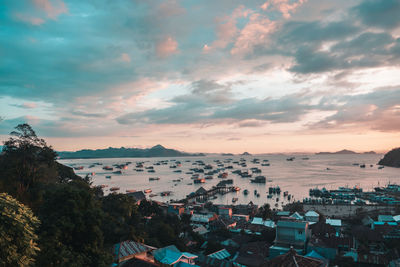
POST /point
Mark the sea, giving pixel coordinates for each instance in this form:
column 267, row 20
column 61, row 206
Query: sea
column 296, row 176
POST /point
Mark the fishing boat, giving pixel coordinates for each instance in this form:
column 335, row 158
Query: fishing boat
column 148, row 190
column 115, row 188
column 108, row 177
column 234, row 199
column 259, row 180
column 130, row 190
column 154, row 178
column 236, row 188
column 245, row 192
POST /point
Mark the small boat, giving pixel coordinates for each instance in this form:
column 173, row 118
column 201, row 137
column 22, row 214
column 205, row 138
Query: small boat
column 130, row 190
column 234, row 199
column 269, row 196
column 152, row 195
column 78, row 168
column 258, row 195
column 117, row 172
column 114, row 188
column 245, row 192
column 148, row 191
column 108, row 177
column 362, row 166
column 290, row 159
column 151, row 170
column 259, row 180
column 199, row 181
column 381, row 167
column 165, row 193
column 154, row 178
column 236, row 188
column 108, row 168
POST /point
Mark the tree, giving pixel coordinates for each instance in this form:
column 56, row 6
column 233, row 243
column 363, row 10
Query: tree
column 265, row 212
column 70, row 234
column 27, row 164
column 18, row 237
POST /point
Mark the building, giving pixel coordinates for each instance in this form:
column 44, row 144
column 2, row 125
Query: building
column 290, row 234
column 311, row 216
column 336, row 223
column 176, row 208
column 225, row 212
column 292, row 259
column 172, row 256
column 128, row 250
column 203, row 219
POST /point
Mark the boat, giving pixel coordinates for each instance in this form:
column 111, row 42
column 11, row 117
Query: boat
column 381, row 167
column 154, row 178
column 108, row 168
column 362, row 166
column 236, row 188
column 223, row 175
column 290, row 159
column 269, row 196
column 165, row 193
column 199, row 181
column 78, row 168
column 152, row 195
column 234, row 199
column 258, row 195
column 151, row 170
column 130, row 190
column 245, row 192
column 265, row 164
column 259, row 180
column 117, row 172
column 115, row 188
column 108, row 177
column 209, row 177
column 148, row 191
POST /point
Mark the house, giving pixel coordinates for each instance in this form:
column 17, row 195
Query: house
column 283, row 213
column 171, row 256
column 266, row 223
column 176, row 208
column 311, row 216
column 203, row 219
column 240, row 217
column 200, row 229
column 290, row 234
column 220, row 254
column 336, row 223
column 253, row 254
column 385, row 218
column 128, row 250
column 297, row 216
column 138, row 196
column 225, row 212
column 292, row 259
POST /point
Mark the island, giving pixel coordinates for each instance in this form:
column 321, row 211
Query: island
column 246, row 154
column 344, row 152
column 391, row 159
column 155, row 151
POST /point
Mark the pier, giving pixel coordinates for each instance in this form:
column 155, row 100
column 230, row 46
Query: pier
column 202, row 195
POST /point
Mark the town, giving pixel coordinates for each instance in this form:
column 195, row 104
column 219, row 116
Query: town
column 315, row 232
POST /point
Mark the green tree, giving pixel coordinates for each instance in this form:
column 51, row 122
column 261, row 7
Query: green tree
column 70, row 234
column 26, row 163
column 264, row 212
column 18, row 237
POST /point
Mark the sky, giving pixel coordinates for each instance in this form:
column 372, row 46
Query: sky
column 262, row 76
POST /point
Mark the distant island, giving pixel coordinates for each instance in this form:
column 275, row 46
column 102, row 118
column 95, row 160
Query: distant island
column 391, row 159
column 344, row 152
column 227, row 154
column 246, row 154
column 155, row 151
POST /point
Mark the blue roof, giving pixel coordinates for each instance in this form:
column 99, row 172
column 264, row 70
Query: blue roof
column 170, row 255
column 221, row 254
column 315, row 255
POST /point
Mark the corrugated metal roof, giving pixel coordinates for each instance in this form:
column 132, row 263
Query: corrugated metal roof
column 221, row 254
column 128, row 248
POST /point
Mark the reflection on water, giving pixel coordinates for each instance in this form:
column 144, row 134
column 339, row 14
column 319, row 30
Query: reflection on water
column 297, row 176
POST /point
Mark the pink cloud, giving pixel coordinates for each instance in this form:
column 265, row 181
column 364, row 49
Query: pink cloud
column 286, row 7
column 52, row 8
column 167, row 47
column 226, row 29
column 29, row 19
column 256, row 31
column 124, row 57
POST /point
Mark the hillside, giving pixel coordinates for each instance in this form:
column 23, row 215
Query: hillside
column 155, row 151
column 391, row 159
column 344, row 152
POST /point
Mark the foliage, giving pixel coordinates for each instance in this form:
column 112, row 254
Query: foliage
column 294, row 207
column 264, row 212
column 121, row 219
column 70, row 234
column 17, row 233
column 27, row 163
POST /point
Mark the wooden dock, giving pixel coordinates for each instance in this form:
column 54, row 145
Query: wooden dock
column 204, row 195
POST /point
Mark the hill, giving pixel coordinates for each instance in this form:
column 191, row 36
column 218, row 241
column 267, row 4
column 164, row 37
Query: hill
column 391, row 159
column 155, row 151
column 344, row 152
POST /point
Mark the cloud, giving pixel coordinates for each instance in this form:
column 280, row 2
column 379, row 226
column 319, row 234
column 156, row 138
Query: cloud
column 379, row 13
column 29, row 19
column 52, row 8
column 285, row 7
column 26, row 105
column 167, row 47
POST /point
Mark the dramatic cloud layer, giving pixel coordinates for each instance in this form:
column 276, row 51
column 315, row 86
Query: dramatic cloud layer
column 203, row 75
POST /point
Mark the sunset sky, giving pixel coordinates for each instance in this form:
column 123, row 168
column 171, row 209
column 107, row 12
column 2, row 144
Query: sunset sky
column 203, row 76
